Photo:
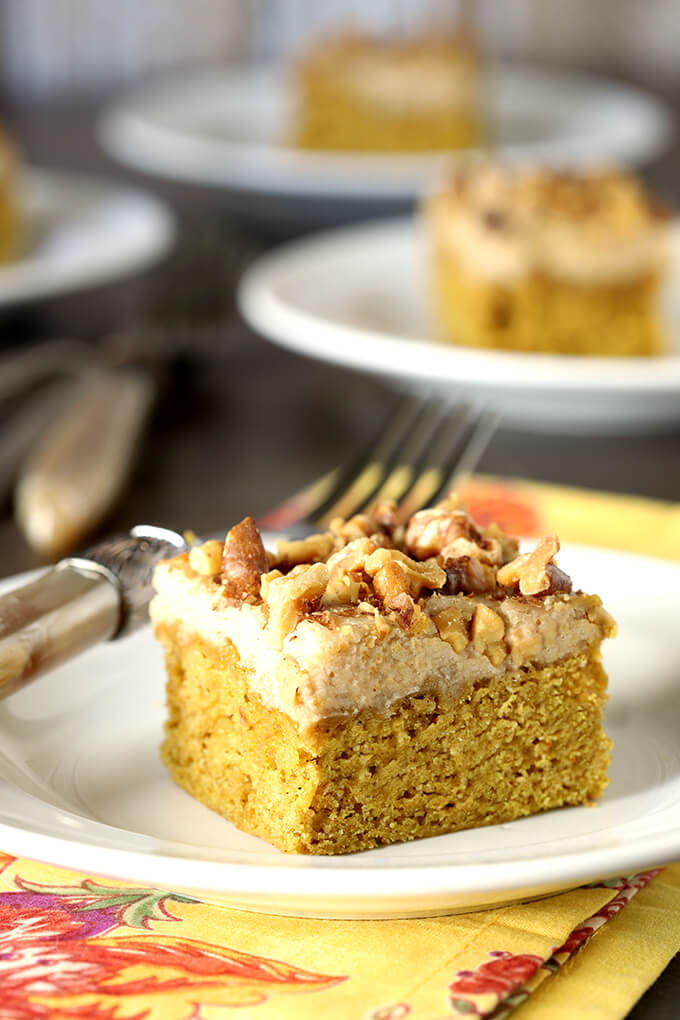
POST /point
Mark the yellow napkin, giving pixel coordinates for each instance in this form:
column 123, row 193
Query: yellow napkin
column 72, row 946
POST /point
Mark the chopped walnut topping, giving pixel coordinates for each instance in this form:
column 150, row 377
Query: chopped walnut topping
column 352, row 557
column 393, row 571
column 446, row 531
column 291, row 597
column 385, row 516
column 404, row 609
column 347, row 581
column 430, row 531
column 344, row 590
column 452, row 625
column 534, row 573
column 266, row 580
column 469, row 575
column 509, row 545
column 359, row 526
column 206, row 559
column 305, row 550
column 244, row 561
column 488, row 630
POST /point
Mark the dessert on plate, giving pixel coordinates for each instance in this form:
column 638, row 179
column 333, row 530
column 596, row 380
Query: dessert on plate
column 360, row 93
column 9, row 217
column 378, row 682
column 537, row 260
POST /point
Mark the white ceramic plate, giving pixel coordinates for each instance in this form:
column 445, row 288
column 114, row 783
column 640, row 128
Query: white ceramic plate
column 81, row 785
column 228, row 127
column 81, row 231
column 358, row 296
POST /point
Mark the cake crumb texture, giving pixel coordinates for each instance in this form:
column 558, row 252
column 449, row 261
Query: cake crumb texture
column 513, row 745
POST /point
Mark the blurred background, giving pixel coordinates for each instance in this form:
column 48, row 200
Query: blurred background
column 235, row 425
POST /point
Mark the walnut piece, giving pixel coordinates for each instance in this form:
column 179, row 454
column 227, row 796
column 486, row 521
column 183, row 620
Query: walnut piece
column 430, row 531
column 291, row 597
column 452, row 625
column 488, row 631
column 534, row 573
column 404, row 609
column 266, row 580
column 206, row 559
column 244, row 561
column 469, row 575
column 305, row 550
column 394, row 572
column 379, row 525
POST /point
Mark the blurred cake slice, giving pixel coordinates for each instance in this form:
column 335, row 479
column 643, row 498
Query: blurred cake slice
column 569, row 263
column 365, row 94
column 376, row 684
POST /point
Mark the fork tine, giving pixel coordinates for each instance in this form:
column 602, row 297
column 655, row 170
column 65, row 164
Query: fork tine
column 311, row 505
column 464, row 435
column 360, row 483
column 419, row 456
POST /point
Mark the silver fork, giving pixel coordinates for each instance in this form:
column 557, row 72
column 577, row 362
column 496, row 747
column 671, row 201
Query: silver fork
column 424, row 449
column 104, row 593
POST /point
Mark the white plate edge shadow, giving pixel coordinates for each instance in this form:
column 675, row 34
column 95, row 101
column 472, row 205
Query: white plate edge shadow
column 327, row 886
column 278, row 297
column 132, row 131
column 38, row 274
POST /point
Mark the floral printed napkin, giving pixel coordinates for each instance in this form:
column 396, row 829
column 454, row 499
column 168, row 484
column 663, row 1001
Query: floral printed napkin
column 78, row 947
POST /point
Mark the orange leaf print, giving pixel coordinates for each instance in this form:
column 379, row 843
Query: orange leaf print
column 5, row 860
column 493, row 502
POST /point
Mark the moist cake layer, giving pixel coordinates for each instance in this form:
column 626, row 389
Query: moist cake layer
column 506, row 747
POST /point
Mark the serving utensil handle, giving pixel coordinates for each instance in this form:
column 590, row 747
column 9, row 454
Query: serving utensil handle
column 100, row 595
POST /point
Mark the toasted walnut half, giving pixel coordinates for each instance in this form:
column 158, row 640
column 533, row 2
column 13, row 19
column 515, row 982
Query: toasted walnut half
column 291, row 597
column 244, row 561
column 534, row 573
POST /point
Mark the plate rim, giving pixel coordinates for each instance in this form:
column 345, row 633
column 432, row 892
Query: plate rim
column 293, row 883
column 131, row 135
column 33, row 283
column 285, row 324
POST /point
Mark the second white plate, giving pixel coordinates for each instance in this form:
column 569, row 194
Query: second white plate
column 81, row 231
column 229, row 127
column 81, row 785
column 358, row 296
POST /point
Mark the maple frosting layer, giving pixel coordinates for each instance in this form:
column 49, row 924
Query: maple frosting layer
column 341, row 661
column 502, row 224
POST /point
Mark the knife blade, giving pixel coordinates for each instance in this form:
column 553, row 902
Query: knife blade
column 80, row 465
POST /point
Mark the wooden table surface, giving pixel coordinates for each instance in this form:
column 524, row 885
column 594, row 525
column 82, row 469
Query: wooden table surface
column 241, row 423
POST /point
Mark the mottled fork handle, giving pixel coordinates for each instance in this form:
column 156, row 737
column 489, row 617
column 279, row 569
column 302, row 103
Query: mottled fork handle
column 100, row 595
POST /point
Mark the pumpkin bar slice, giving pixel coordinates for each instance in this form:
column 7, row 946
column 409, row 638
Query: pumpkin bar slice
column 380, row 682
column 541, row 261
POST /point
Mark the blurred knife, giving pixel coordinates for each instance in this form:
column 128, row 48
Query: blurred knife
column 80, row 465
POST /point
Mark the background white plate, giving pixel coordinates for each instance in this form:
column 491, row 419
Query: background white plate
column 358, row 296
column 81, row 786
column 229, row 127
column 82, row 231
